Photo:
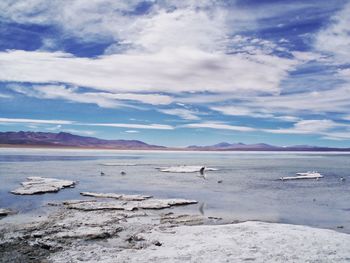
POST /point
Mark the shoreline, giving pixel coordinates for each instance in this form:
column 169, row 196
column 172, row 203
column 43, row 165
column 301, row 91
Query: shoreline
column 68, row 235
column 170, row 150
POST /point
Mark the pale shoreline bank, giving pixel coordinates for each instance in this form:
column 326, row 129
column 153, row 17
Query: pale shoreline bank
column 69, row 235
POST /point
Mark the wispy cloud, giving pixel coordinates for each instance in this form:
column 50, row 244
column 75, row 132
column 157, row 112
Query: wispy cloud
column 218, row 126
column 102, row 99
column 5, row 96
column 328, row 129
column 335, row 38
column 54, row 128
column 12, row 120
column 69, row 122
column 182, row 113
column 132, row 126
column 59, row 128
column 255, row 112
column 78, row 131
column 132, row 131
column 322, row 102
column 308, row 127
column 241, row 111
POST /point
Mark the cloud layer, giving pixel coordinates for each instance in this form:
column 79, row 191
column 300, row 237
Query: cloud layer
column 256, row 67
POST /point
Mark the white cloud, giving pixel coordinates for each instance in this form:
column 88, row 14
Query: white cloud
column 178, row 51
column 93, row 19
column 307, row 127
column 54, row 128
column 154, row 99
column 287, row 118
column 59, row 128
column 182, row 113
column 180, row 21
column 322, row 102
column 328, row 129
column 176, row 47
column 219, row 126
column 252, row 111
column 153, row 126
column 166, row 23
column 5, row 96
column 12, row 120
column 338, row 136
column 344, row 73
column 185, row 27
column 132, row 126
column 102, row 99
column 308, row 56
column 172, row 71
column 335, row 38
column 241, row 111
column 132, row 131
column 81, row 132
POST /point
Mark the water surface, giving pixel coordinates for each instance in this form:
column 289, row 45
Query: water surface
column 249, row 191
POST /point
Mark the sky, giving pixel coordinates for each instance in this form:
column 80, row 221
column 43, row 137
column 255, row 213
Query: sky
column 178, row 73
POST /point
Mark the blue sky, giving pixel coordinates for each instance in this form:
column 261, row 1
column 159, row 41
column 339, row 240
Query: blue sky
column 178, row 73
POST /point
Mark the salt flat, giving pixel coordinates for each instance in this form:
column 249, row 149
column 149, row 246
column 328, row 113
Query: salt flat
column 243, row 242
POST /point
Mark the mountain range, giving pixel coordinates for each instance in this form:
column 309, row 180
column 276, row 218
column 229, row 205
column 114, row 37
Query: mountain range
column 224, row 146
column 69, row 140
column 64, row 139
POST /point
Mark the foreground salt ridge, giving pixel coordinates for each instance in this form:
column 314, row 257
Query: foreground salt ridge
column 249, row 241
column 74, row 225
column 185, row 169
column 39, row 185
column 101, row 234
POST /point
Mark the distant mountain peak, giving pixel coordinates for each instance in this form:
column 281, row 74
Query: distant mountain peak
column 222, row 144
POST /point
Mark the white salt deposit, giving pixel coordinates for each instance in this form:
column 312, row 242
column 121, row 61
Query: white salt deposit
column 299, row 176
column 249, row 241
column 38, row 185
column 118, row 164
column 185, row 169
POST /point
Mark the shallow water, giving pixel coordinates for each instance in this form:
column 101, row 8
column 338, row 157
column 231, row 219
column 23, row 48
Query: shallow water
column 249, row 191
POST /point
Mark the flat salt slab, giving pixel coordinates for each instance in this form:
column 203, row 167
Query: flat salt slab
column 69, row 202
column 94, row 206
column 164, row 203
column 39, row 185
column 299, row 177
column 243, row 242
column 5, row 212
column 131, row 205
column 118, row 164
column 117, row 196
column 185, row 169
